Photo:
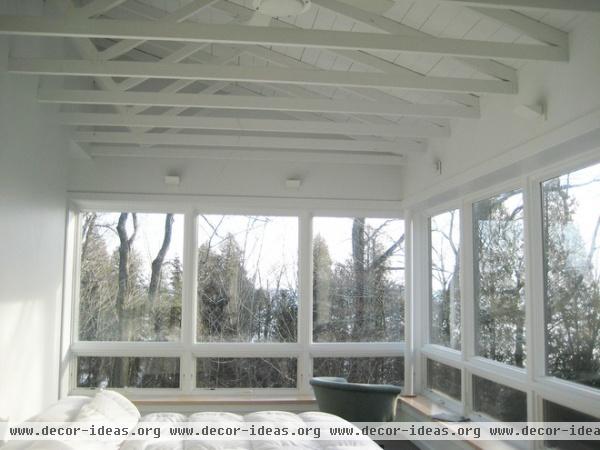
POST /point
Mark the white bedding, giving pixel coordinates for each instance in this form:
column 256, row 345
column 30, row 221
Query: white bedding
column 70, row 409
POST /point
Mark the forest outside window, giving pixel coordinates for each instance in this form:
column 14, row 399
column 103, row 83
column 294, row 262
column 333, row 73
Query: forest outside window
column 358, row 280
column 444, row 239
column 499, row 275
column 130, row 277
column 571, row 228
column 247, row 287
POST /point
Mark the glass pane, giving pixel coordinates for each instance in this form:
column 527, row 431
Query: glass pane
column 572, row 275
column 215, row 373
column 130, row 277
column 444, row 379
column 499, row 275
column 557, row 413
column 358, row 280
column 499, row 401
column 384, row 370
column 247, row 279
column 116, row 372
column 445, row 279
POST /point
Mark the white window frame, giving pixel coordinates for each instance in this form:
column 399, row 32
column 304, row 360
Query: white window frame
column 188, row 349
column 532, row 379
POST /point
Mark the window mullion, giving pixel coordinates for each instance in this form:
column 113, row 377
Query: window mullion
column 467, row 317
column 305, row 304
column 189, row 309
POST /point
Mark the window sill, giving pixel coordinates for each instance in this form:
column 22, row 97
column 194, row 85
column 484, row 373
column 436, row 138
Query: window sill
column 225, row 400
column 425, row 407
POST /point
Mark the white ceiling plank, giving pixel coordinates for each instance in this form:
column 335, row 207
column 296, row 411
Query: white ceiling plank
column 424, row 129
column 40, row 66
column 96, row 151
column 177, row 16
column 248, row 35
column 528, row 26
column 92, row 97
column 382, row 23
column 559, row 5
column 95, row 8
column 205, row 140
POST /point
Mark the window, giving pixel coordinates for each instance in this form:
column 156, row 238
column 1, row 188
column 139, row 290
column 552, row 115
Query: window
column 557, row 413
column 499, row 275
column 230, row 318
column 384, row 370
column 499, row 401
column 444, row 254
column 130, row 277
column 247, row 279
column 571, row 228
column 358, row 280
column 214, row 373
column 117, row 372
column 444, row 379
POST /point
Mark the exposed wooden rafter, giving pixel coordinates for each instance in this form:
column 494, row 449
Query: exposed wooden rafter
column 204, row 140
column 92, row 97
column 424, row 129
column 41, row 66
column 559, row 5
column 97, row 151
column 248, row 35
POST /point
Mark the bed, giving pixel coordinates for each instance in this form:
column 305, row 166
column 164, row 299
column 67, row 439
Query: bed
column 113, row 407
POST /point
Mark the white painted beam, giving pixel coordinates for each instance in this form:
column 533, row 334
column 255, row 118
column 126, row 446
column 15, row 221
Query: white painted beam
column 40, row 66
column 388, row 25
column 559, row 5
column 248, row 35
column 424, row 129
column 92, row 97
column 526, row 25
column 105, row 151
column 261, row 142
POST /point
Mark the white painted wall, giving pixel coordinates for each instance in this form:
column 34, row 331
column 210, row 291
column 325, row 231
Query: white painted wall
column 32, row 221
column 224, row 177
column 571, row 91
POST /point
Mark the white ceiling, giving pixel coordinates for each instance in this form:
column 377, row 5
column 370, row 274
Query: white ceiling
column 383, row 125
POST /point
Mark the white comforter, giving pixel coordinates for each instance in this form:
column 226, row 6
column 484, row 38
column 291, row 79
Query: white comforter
column 69, row 410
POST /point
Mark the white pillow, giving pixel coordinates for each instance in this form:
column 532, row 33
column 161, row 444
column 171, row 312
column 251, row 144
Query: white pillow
column 110, row 407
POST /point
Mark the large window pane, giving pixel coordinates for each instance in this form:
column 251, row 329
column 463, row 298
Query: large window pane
column 384, row 370
column 358, row 279
column 558, row 413
column 247, row 279
column 499, row 401
column 445, row 279
column 499, row 275
column 131, row 277
column 571, row 217
column 117, row 372
column 444, row 379
column 215, row 373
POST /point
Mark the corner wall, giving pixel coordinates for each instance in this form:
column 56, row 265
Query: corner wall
column 32, row 229
column 501, row 139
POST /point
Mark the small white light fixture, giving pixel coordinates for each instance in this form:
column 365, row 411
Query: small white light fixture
column 293, row 183
column 531, row 112
column 172, row 180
